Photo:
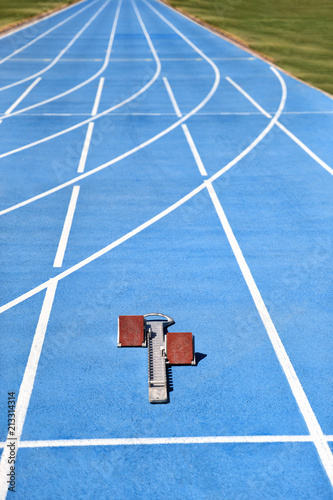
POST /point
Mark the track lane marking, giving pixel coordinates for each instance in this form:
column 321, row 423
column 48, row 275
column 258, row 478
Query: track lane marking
column 69, row 129
column 27, row 384
column 172, row 97
column 303, row 403
column 185, row 129
column 58, row 261
column 34, row 40
column 140, row 146
column 28, row 24
column 59, row 443
column 252, row 101
column 249, row 439
column 138, row 229
column 86, row 145
column 123, row 59
column 66, row 228
column 22, row 96
column 194, row 150
column 98, row 96
column 85, row 82
column 62, row 52
column 221, row 113
column 107, row 111
column 305, row 148
column 85, row 149
column 318, row 438
column 284, row 129
column 269, row 127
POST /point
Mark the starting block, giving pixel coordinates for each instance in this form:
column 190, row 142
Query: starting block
column 131, row 331
column 163, row 348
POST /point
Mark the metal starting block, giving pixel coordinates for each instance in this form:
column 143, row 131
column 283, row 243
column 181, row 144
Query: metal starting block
column 163, row 348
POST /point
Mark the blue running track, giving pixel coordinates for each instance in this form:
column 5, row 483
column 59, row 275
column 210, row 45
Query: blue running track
column 148, row 164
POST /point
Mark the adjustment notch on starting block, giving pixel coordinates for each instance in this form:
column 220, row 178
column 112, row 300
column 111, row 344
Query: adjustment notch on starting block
column 131, row 331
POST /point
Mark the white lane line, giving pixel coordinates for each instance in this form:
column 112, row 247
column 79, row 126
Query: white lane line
column 23, row 297
column 305, row 148
column 66, row 229
column 75, row 193
column 263, row 133
column 27, row 384
column 114, row 160
column 172, row 97
column 185, row 129
column 86, row 145
column 34, row 40
column 64, row 443
column 191, row 44
column 63, row 59
column 222, row 113
column 234, row 58
column 248, row 97
column 323, row 112
column 88, row 137
column 85, row 82
column 165, row 441
column 134, row 59
column 98, row 96
column 22, row 96
column 151, row 221
column 194, row 150
column 140, row 146
column 28, row 25
column 226, row 113
column 85, row 148
column 103, row 251
column 62, row 52
column 107, row 111
column 109, row 114
column 284, row 129
column 311, row 421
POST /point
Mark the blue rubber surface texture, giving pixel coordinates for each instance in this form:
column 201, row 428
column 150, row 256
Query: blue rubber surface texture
column 278, row 201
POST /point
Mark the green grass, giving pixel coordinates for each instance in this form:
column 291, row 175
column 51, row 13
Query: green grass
column 15, row 11
column 297, row 35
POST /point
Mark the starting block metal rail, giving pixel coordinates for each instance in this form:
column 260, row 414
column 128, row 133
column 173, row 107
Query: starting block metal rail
column 140, row 331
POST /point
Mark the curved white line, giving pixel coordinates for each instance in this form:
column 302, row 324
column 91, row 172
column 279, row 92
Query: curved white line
column 136, row 148
column 263, row 133
column 107, row 111
column 76, row 87
column 62, row 52
column 42, row 35
column 162, row 214
column 26, row 25
column 283, row 128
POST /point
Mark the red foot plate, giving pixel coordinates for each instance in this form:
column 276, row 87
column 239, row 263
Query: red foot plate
column 131, row 331
column 180, row 348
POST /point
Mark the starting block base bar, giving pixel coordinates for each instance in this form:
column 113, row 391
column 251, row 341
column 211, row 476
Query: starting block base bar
column 157, row 377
